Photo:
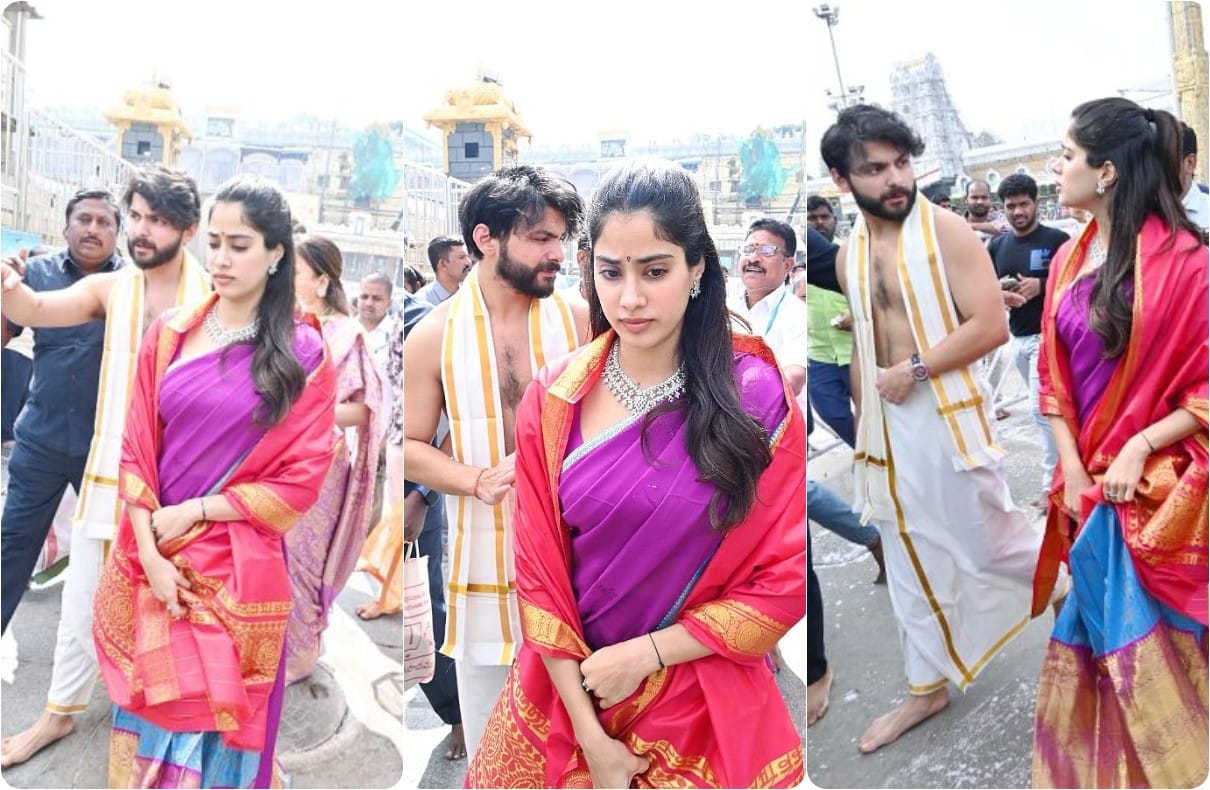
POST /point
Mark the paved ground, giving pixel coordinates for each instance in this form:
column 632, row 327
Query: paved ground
column 340, row 728
column 984, row 738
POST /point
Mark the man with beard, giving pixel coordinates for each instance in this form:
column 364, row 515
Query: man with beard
column 926, row 306
column 472, row 357
column 163, row 210
column 451, row 264
column 1024, row 256
column 986, row 222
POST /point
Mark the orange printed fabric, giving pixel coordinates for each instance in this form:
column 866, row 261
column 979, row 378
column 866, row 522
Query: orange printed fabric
column 1165, row 367
column 718, row 721
column 212, row 670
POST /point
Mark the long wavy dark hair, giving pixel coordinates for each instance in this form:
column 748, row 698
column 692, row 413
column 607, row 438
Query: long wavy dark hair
column 729, row 447
column 323, row 256
column 276, row 372
column 1144, row 146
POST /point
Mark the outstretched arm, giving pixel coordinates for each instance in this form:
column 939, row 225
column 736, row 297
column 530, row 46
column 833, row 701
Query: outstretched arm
column 82, row 301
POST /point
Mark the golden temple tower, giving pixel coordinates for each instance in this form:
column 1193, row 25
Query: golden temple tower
column 1189, row 76
column 482, row 128
column 150, row 125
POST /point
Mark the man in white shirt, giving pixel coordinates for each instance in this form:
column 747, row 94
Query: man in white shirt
column 373, row 303
column 769, row 307
column 1197, row 202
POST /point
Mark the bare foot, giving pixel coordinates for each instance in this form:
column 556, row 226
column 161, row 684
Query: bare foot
column 457, row 750
column 915, row 709
column 48, row 728
column 371, row 611
column 817, row 697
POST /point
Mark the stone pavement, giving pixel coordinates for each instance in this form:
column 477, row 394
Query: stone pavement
column 340, row 728
column 984, row 737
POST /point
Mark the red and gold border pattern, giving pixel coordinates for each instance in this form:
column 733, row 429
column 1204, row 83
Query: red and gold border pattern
column 543, row 628
column 266, row 506
column 785, row 771
column 506, row 756
column 739, row 626
column 669, row 768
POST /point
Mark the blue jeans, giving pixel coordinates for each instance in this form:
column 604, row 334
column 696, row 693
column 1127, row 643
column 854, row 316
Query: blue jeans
column 817, row 659
column 1024, row 352
column 830, row 512
column 831, row 396
column 37, row 478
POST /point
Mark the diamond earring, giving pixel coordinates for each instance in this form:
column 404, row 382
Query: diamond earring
column 1100, row 188
column 273, row 268
column 695, row 290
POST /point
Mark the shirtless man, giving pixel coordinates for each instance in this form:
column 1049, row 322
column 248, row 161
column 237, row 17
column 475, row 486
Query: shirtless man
column 163, row 209
column 927, row 466
column 514, row 222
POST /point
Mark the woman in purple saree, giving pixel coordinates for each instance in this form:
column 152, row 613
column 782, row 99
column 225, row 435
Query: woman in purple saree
column 324, row 546
column 228, row 435
column 1122, row 698
column 660, row 526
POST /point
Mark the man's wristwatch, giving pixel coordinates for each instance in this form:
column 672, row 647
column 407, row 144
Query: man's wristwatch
column 920, row 371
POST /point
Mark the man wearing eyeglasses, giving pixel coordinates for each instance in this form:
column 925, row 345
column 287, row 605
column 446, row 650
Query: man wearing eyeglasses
column 767, row 304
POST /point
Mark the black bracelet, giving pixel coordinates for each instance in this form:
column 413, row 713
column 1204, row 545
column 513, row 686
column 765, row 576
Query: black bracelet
column 202, row 500
column 657, row 650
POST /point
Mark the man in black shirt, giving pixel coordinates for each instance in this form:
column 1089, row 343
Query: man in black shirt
column 1022, row 261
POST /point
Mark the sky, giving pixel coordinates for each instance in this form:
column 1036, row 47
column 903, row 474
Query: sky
column 659, row 69
column 1015, row 69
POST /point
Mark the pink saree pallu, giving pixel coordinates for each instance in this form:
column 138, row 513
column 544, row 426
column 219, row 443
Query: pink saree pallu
column 1122, row 698
column 199, row 697
column 614, row 541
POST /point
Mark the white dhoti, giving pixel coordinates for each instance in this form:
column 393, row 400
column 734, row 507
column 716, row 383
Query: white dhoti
column 483, row 622
column 479, row 687
column 75, row 669
column 99, row 509
column 960, row 556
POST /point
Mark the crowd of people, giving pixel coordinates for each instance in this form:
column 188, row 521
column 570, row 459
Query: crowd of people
column 616, row 477
column 221, row 426
column 1108, row 327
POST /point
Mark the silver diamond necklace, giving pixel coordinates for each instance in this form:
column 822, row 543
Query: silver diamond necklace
column 639, row 400
column 1096, row 252
column 225, row 337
